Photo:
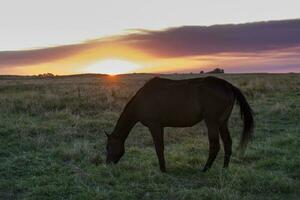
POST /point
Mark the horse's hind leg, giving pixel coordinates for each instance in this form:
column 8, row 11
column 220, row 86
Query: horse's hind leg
column 214, row 144
column 157, row 133
column 227, row 142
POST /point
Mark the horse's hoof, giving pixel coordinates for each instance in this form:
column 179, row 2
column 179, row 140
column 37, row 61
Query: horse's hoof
column 205, row 169
column 163, row 170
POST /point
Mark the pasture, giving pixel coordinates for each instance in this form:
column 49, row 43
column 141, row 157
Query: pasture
column 52, row 142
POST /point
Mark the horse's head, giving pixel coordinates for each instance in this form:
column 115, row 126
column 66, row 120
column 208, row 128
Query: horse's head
column 114, row 150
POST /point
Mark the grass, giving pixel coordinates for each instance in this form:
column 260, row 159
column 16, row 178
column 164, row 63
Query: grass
column 52, row 143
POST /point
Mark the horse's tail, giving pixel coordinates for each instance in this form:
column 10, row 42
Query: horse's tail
column 247, row 117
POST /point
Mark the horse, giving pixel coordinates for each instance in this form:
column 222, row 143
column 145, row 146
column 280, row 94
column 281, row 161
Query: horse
column 163, row 102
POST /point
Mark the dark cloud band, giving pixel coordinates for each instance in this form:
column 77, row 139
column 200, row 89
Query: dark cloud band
column 201, row 40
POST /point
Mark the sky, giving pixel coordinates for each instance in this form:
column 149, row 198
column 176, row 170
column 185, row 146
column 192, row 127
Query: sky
column 70, row 37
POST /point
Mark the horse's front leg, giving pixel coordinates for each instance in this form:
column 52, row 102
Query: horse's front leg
column 157, row 133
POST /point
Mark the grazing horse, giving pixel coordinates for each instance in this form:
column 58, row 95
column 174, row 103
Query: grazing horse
column 182, row 103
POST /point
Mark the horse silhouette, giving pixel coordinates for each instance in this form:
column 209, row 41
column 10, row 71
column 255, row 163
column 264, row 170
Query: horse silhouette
column 163, row 103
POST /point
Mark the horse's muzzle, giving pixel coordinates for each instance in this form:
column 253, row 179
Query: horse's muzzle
column 108, row 162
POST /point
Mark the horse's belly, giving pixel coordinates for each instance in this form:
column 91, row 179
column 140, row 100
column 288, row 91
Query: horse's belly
column 181, row 120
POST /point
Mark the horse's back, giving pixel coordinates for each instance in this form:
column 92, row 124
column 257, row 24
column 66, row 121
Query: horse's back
column 177, row 102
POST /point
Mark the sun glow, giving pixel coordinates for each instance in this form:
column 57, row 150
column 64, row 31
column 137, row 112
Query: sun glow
column 112, row 67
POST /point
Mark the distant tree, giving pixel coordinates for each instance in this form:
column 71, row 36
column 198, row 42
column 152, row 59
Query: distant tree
column 201, row 72
column 46, row 75
column 216, row 71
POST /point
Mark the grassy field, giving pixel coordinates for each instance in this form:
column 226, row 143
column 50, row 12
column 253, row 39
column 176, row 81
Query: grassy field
column 52, row 143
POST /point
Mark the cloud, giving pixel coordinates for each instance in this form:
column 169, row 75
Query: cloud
column 45, row 55
column 202, row 40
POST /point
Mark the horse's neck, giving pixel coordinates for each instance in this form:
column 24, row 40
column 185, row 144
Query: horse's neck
column 124, row 125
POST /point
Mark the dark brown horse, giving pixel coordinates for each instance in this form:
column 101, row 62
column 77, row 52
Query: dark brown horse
column 182, row 103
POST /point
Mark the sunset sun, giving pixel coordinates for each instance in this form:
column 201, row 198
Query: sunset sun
column 112, row 67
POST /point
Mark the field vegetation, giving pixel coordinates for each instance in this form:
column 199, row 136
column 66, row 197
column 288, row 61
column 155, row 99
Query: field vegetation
column 52, row 142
